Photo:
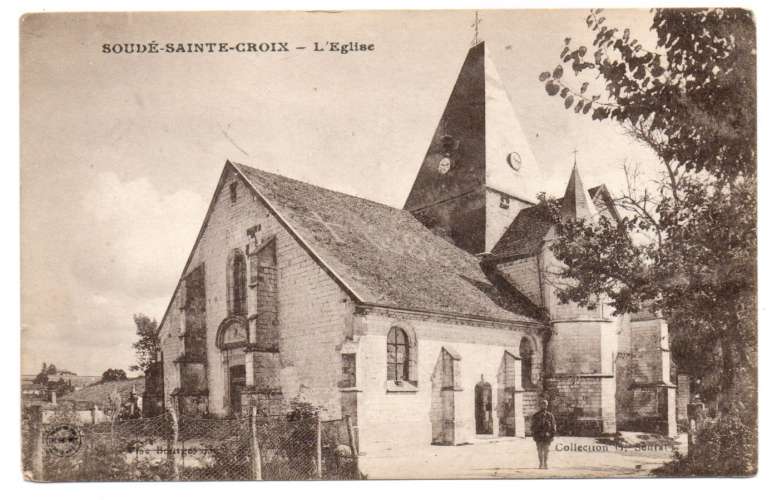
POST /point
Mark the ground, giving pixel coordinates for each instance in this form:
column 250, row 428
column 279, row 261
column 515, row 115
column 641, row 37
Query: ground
column 516, row 458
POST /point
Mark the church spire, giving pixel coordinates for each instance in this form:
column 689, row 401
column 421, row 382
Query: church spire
column 479, row 170
column 577, row 203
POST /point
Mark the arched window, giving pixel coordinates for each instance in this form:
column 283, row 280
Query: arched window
column 237, row 284
column 399, row 356
column 526, row 363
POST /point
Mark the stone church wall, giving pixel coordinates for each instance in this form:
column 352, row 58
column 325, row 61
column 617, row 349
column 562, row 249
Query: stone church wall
column 314, row 319
column 393, row 416
column 581, row 376
column 523, row 274
column 649, row 402
column 313, row 310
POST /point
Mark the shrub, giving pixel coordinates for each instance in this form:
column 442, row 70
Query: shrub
column 724, row 447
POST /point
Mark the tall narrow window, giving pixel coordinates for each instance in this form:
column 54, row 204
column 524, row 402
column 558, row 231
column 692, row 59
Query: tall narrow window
column 195, row 313
column 526, row 363
column 237, row 284
column 398, row 355
column 349, row 370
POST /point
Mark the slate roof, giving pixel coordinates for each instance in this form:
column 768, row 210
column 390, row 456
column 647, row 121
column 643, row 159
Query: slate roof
column 526, row 233
column 384, row 255
column 577, row 202
column 100, row 392
column 603, row 201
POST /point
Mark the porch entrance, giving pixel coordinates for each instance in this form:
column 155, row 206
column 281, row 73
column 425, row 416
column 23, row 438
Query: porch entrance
column 483, row 408
column 237, row 381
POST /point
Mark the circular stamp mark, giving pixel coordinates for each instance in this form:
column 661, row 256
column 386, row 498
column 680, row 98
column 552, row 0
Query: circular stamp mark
column 64, row 440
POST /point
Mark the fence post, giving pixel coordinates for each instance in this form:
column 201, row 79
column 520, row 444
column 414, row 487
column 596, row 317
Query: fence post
column 37, row 442
column 318, row 446
column 257, row 467
column 354, row 447
column 172, row 447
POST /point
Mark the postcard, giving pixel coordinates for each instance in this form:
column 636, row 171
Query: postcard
column 388, row 245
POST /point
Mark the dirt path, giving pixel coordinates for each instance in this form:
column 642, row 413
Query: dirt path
column 516, row 458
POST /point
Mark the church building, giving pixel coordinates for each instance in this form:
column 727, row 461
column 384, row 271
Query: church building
column 437, row 323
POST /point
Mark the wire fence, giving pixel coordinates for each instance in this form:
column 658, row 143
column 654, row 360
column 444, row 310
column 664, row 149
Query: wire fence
column 59, row 447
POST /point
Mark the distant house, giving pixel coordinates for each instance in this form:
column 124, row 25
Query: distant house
column 33, row 390
column 100, row 393
column 75, row 380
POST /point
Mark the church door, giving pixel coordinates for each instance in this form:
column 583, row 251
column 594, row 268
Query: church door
column 483, row 408
column 238, row 379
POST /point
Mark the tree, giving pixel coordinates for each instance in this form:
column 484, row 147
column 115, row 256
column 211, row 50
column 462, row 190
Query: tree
column 52, row 369
column 60, row 387
column 41, row 379
column 692, row 98
column 686, row 245
column 148, row 345
column 113, row 374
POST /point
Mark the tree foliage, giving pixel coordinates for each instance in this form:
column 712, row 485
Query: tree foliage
column 148, row 345
column 46, row 378
column 41, row 378
column 724, row 447
column 692, row 98
column 686, row 245
column 113, row 374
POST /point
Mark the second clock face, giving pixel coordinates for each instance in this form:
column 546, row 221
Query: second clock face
column 444, row 165
column 514, row 160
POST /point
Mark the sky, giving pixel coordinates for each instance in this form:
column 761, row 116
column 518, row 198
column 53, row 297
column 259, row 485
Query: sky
column 121, row 152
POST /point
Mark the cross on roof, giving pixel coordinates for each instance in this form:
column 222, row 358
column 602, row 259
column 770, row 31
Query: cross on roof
column 575, row 151
column 476, row 26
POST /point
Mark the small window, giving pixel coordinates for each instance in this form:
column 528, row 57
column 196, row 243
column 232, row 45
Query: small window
column 349, row 370
column 233, row 187
column 504, row 202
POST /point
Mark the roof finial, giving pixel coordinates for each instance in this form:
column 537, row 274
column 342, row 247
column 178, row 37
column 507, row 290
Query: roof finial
column 476, row 26
column 575, row 151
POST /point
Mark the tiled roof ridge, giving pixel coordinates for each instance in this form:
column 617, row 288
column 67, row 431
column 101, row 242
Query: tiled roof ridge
column 317, row 187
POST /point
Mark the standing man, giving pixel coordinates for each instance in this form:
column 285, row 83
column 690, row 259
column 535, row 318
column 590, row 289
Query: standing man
column 543, row 428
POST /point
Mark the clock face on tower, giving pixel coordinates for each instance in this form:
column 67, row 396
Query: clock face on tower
column 514, row 161
column 444, row 165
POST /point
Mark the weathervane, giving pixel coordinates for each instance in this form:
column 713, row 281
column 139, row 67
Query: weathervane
column 476, row 26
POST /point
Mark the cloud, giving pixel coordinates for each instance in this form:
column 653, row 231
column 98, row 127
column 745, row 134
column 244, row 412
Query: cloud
column 135, row 239
column 125, row 248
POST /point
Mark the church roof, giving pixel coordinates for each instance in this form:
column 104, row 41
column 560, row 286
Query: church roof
column 527, row 232
column 383, row 255
column 577, row 203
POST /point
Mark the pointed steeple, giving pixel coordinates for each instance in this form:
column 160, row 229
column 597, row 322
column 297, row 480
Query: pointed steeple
column 577, row 203
column 478, row 161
